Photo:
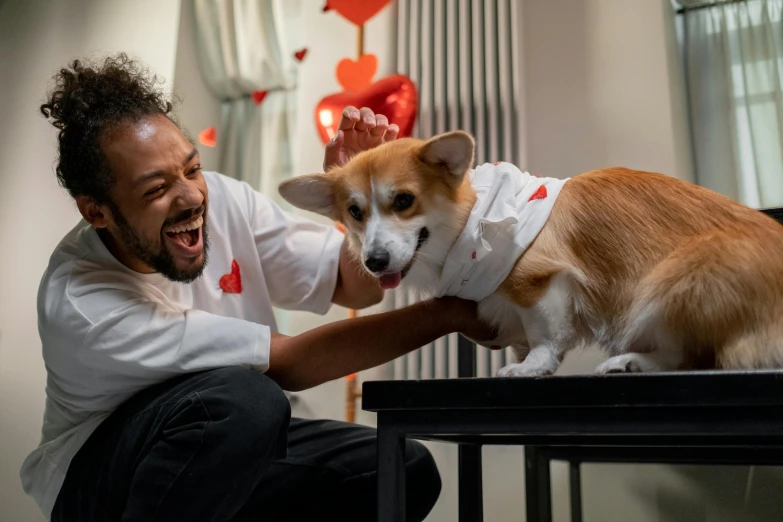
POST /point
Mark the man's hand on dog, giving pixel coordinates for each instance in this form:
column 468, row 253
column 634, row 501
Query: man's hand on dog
column 470, row 326
column 359, row 130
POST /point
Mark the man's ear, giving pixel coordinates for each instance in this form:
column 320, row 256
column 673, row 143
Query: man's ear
column 93, row 213
column 313, row 192
column 451, row 153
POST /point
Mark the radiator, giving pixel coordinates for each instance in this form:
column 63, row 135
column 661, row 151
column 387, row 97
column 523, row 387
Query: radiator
column 463, row 55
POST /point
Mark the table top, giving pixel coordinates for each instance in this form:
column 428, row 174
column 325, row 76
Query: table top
column 672, row 389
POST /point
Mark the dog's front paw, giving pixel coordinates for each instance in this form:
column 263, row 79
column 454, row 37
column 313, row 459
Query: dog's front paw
column 523, row 370
column 626, row 363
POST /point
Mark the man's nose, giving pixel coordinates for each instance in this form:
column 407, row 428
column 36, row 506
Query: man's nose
column 377, row 261
column 190, row 195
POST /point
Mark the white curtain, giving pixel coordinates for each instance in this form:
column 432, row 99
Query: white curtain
column 243, row 47
column 734, row 65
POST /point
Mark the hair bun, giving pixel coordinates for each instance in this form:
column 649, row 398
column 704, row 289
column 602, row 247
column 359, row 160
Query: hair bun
column 88, row 99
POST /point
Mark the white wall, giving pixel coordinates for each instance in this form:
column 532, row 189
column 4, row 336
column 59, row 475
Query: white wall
column 36, row 38
column 603, row 87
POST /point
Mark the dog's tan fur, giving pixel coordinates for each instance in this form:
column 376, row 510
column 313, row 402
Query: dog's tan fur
column 639, row 238
column 642, row 253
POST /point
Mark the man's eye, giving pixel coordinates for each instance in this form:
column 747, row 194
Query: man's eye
column 195, row 170
column 155, row 191
column 355, row 212
column 403, row 202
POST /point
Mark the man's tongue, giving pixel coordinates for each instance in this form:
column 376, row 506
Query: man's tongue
column 390, row 281
column 188, row 238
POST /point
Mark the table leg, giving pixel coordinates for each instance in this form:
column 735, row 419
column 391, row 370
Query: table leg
column 391, row 474
column 537, row 485
column 575, row 476
column 471, row 505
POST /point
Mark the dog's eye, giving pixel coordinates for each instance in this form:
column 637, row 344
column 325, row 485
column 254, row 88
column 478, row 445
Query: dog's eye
column 403, row 202
column 355, row 212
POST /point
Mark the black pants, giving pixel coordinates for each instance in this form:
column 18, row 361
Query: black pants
column 221, row 446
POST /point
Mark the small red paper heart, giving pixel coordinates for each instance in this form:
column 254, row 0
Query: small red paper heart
column 539, row 194
column 232, row 283
column 497, row 163
column 327, row 7
column 300, row 54
column 208, row 137
column 358, row 11
column 258, row 96
column 356, row 75
column 340, row 227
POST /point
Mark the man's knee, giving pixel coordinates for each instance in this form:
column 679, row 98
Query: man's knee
column 423, row 480
column 249, row 407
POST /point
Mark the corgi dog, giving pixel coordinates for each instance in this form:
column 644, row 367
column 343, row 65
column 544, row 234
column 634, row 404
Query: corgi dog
column 660, row 273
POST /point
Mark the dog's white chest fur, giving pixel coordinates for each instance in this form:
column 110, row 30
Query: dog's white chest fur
column 530, row 330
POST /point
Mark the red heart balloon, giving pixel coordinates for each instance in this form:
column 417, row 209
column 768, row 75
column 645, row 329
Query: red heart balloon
column 394, row 96
column 357, row 11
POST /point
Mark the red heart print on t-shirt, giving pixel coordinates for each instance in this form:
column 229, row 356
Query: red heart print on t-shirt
column 232, row 283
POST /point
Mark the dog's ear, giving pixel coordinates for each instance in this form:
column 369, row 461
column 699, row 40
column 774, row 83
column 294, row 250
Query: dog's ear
column 451, row 153
column 313, row 192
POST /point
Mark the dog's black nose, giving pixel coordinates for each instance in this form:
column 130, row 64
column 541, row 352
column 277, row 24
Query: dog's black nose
column 377, row 261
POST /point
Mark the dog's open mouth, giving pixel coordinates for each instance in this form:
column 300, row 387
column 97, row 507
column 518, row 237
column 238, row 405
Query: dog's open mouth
column 391, row 281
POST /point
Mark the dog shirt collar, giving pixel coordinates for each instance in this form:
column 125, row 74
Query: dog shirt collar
column 511, row 209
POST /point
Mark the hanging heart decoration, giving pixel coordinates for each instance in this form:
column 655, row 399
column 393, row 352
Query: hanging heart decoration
column 357, row 11
column 300, row 54
column 208, row 137
column 355, row 75
column 258, row 96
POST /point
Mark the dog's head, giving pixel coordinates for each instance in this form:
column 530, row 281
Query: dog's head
column 400, row 202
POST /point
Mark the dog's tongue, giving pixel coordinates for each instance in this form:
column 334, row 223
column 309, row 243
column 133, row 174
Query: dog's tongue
column 390, row 281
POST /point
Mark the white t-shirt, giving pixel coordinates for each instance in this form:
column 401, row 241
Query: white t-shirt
column 510, row 210
column 108, row 332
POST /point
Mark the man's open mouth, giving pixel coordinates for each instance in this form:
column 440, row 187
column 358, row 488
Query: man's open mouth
column 391, row 281
column 186, row 236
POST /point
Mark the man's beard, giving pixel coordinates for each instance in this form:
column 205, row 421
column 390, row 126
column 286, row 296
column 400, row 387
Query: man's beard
column 161, row 259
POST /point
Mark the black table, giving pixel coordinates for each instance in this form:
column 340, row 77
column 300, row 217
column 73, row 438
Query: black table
column 701, row 417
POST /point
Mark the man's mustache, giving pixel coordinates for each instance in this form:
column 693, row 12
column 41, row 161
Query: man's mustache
column 185, row 215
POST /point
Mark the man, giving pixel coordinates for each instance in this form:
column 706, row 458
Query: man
column 165, row 372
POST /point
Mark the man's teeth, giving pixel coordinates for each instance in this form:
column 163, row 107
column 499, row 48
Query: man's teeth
column 191, row 225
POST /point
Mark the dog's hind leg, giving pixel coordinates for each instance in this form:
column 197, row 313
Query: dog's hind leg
column 761, row 348
column 688, row 310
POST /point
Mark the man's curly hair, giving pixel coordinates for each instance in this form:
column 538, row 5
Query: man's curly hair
column 86, row 102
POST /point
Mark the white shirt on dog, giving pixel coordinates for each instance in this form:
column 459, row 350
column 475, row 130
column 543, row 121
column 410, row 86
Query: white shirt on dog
column 511, row 209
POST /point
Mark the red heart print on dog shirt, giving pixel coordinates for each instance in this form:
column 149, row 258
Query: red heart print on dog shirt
column 538, row 194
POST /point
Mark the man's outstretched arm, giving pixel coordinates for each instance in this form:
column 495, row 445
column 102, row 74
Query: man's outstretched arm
column 344, row 347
